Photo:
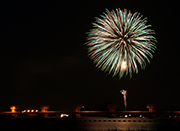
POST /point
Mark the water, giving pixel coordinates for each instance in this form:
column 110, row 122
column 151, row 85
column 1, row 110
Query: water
column 67, row 124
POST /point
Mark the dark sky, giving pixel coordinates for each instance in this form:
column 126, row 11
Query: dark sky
column 44, row 60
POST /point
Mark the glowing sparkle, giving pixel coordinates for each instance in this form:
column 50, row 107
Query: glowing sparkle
column 124, row 65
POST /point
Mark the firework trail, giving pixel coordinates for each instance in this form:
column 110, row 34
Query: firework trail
column 124, row 93
column 119, row 41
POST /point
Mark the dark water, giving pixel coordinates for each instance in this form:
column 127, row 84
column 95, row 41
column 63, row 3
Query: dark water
column 48, row 124
column 32, row 124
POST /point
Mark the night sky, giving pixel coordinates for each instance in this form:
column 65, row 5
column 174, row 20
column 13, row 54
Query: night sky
column 44, row 60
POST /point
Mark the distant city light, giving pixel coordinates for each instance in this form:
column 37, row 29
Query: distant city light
column 29, row 111
column 13, row 108
column 64, row 115
column 126, row 115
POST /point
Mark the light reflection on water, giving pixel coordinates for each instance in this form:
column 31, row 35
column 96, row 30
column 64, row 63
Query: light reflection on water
column 106, row 124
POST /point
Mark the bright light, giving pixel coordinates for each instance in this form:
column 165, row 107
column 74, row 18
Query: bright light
column 13, row 108
column 28, row 110
column 124, row 65
column 36, row 110
column 24, row 110
column 140, row 116
column 129, row 114
column 126, row 116
column 64, row 115
column 32, row 110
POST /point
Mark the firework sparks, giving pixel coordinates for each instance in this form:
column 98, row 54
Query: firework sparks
column 119, row 41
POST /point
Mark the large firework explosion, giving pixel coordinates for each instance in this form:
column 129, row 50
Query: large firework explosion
column 119, row 41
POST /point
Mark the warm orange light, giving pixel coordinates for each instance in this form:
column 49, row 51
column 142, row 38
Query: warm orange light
column 24, row 110
column 28, row 110
column 32, row 110
column 44, row 108
column 13, row 108
column 36, row 110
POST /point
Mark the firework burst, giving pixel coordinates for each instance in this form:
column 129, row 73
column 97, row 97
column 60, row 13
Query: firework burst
column 119, row 41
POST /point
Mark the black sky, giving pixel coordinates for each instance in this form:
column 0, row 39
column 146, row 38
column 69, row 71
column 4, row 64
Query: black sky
column 44, row 59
